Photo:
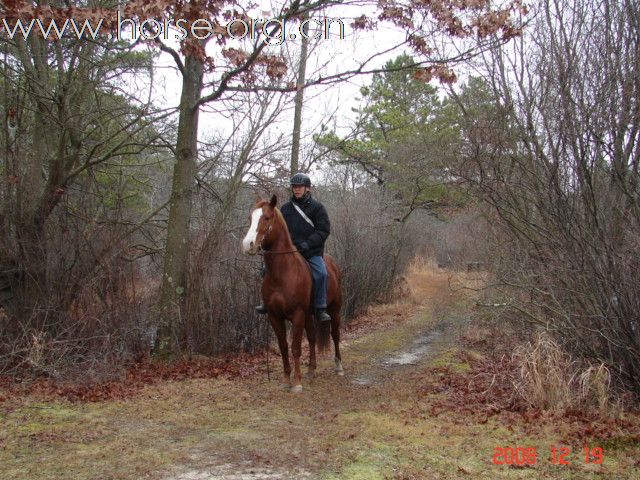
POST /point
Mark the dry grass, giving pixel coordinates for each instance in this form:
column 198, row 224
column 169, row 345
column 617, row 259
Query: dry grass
column 595, row 389
column 425, row 279
column 413, row 292
column 550, row 380
column 546, row 374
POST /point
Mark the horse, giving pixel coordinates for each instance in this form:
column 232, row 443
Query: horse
column 287, row 291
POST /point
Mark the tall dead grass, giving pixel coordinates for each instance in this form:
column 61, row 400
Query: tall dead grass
column 550, row 380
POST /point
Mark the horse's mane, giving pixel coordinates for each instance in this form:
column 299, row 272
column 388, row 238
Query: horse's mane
column 282, row 222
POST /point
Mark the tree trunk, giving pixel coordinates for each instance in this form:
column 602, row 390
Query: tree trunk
column 298, row 101
column 29, row 219
column 174, row 278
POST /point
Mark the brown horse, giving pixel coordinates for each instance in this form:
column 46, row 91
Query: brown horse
column 287, row 291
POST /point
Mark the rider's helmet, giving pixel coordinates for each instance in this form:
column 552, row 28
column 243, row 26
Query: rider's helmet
column 300, row 179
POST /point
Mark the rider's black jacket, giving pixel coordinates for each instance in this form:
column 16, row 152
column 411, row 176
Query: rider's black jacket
column 301, row 231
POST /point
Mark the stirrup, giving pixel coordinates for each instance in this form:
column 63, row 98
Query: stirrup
column 261, row 309
column 322, row 315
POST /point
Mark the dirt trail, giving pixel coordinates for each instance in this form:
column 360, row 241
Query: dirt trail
column 287, row 436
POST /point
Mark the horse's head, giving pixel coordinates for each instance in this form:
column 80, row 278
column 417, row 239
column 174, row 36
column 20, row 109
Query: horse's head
column 262, row 231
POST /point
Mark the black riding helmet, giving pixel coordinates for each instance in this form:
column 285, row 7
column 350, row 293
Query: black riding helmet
column 300, row 179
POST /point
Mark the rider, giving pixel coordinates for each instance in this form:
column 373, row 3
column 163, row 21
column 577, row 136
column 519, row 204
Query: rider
column 309, row 228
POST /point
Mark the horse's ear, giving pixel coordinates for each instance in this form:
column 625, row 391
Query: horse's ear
column 274, row 201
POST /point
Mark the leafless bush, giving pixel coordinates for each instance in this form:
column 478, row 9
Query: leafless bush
column 221, row 310
column 224, row 283
column 555, row 155
column 101, row 328
column 453, row 241
column 367, row 243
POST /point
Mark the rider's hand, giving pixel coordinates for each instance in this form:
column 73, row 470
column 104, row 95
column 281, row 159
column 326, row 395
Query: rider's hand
column 303, row 247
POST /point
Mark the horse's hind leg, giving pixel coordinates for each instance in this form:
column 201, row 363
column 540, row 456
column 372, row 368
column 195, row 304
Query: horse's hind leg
column 311, row 337
column 335, row 334
column 281, row 332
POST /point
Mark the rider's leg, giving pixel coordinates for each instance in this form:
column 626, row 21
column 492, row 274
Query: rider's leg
column 320, row 283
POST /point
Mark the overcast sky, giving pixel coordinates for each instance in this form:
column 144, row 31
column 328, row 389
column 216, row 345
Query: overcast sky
column 328, row 56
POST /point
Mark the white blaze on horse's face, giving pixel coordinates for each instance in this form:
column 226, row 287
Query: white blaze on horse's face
column 249, row 243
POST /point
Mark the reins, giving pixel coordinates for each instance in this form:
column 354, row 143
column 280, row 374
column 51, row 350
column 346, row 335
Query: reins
column 264, row 252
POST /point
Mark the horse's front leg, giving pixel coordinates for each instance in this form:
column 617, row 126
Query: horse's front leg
column 297, row 326
column 310, row 328
column 281, row 333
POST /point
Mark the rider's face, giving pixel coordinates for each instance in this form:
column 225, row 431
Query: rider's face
column 299, row 190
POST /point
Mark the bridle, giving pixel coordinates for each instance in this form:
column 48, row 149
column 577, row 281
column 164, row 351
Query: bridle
column 264, row 234
column 262, row 251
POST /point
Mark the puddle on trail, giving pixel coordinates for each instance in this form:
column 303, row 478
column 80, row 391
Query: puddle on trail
column 419, row 349
column 416, row 351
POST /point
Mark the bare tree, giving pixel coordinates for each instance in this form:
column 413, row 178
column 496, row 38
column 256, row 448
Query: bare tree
column 556, row 155
column 299, row 99
column 220, row 311
column 66, row 116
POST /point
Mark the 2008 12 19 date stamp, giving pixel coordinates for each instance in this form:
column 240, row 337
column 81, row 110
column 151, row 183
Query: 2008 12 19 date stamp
column 558, row 455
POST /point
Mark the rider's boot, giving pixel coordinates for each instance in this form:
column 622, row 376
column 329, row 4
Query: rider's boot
column 322, row 315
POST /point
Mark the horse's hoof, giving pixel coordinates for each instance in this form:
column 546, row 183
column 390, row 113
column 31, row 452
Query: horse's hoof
column 296, row 389
column 285, row 386
column 340, row 373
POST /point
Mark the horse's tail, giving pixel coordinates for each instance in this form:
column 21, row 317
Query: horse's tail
column 323, row 335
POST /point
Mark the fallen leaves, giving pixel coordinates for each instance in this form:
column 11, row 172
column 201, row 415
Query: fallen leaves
column 481, row 393
column 487, row 391
column 138, row 376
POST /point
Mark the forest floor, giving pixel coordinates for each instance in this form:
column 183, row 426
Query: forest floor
column 427, row 394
